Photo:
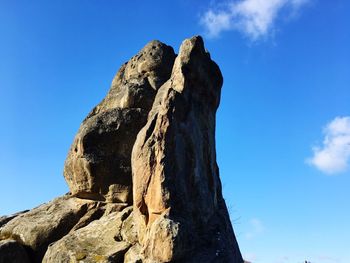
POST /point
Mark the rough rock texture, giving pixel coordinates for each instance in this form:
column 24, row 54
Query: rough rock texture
column 179, row 209
column 98, row 163
column 5, row 219
column 133, row 255
column 142, row 173
column 97, row 242
column 47, row 223
column 12, row 252
column 98, row 167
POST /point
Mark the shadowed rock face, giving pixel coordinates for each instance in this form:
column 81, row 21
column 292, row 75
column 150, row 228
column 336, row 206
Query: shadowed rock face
column 142, row 173
column 12, row 252
column 98, row 164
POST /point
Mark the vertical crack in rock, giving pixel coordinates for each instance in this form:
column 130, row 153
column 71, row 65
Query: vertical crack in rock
column 178, row 205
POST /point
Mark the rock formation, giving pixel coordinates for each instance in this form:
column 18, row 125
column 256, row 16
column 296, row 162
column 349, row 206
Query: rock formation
column 142, row 173
column 178, row 205
column 98, row 164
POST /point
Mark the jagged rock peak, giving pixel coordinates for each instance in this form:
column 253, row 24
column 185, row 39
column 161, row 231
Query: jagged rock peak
column 195, row 64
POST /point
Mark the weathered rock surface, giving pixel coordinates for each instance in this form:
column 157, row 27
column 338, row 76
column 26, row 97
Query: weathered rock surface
column 142, row 173
column 98, row 163
column 5, row 219
column 12, row 252
column 97, row 242
column 178, row 206
column 133, row 255
column 45, row 224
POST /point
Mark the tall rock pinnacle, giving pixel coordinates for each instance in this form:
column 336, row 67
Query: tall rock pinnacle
column 142, row 173
column 178, row 205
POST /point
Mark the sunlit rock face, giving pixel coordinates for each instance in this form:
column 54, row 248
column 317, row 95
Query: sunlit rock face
column 142, row 173
column 98, row 164
column 179, row 210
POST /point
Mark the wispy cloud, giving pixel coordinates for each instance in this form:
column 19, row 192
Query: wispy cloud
column 254, row 18
column 256, row 228
column 334, row 155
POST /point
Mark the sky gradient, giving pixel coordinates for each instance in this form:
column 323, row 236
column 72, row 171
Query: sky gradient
column 283, row 124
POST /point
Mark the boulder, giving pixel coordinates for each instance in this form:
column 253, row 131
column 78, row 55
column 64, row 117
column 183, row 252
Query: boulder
column 178, row 205
column 97, row 242
column 98, row 164
column 45, row 224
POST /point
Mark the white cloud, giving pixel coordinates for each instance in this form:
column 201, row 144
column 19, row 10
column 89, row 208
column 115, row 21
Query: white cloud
column 257, row 228
column 334, row 155
column 216, row 22
column 254, row 18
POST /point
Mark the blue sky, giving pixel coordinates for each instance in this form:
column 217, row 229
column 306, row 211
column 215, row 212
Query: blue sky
column 283, row 126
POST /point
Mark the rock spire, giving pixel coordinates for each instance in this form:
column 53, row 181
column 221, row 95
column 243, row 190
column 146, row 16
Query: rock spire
column 142, row 173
